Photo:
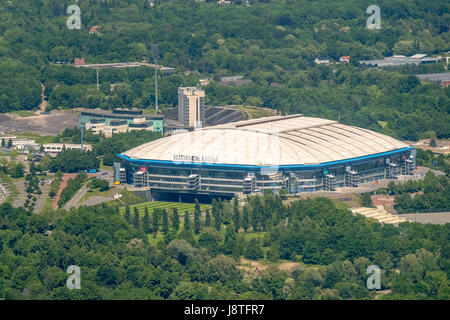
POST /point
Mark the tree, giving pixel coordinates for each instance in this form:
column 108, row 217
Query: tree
column 189, row 291
column 433, row 143
column 17, row 170
column 254, row 250
column 14, row 154
column 187, row 221
column 146, row 223
column 165, row 222
column 237, row 215
column 197, row 213
column 366, row 200
column 136, row 222
column 230, row 240
column 216, row 215
column 156, row 212
column 209, row 238
column 175, row 219
column 46, row 162
column 283, row 194
column 75, row 161
column 255, row 218
column 274, row 252
column 245, row 218
column 127, row 214
column 208, row 222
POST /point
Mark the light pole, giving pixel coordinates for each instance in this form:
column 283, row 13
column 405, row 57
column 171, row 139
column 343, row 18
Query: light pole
column 155, row 51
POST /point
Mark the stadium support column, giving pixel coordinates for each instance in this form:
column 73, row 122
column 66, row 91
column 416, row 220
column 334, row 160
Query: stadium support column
column 292, row 183
column 351, row 178
column 330, row 182
column 391, row 170
column 194, row 182
column 249, row 184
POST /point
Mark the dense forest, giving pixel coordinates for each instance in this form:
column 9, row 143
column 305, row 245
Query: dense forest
column 432, row 194
column 272, row 43
column 200, row 259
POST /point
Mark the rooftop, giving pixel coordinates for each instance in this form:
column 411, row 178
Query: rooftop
column 444, row 76
column 398, row 60
column 277, row 140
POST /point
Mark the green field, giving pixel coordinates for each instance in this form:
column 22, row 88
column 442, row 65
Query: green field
column 152, row 205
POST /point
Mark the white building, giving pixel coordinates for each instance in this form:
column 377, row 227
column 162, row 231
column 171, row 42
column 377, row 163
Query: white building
column 191, row 106
column 54, row 148
column 322, row 60
column 24, row 144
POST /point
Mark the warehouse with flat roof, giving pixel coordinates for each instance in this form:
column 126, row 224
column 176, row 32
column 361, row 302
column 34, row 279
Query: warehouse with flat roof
column 297, row 153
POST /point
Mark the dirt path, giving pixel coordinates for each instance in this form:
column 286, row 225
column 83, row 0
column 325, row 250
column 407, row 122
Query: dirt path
column 288, row 266
column 252, row 266
column 43, row 104
column 43, row 124
column 62, row 185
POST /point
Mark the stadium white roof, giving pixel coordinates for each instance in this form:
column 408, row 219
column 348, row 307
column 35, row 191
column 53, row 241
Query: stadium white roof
column 270, row 141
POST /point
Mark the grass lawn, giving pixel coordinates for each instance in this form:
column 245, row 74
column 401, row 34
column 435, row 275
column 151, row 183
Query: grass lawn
column 152, row 205
column 97, row 192
column 254, row 235
column 154, row 240
column 47, row 204
column 383, row 123
column 255, row 112
column 128, row 197
column 103, row 167
column 24, row 113
column 37, row 137
column 341, row 205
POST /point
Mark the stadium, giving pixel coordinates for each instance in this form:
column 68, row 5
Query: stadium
column 297, row 153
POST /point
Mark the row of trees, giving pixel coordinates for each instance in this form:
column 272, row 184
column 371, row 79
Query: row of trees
column 118, row 262
column 73, row 185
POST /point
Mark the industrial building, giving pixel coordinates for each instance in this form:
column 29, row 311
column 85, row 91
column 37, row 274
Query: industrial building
column 443, row 79
column 297, row 153
column 191, row 106
column 119, row 120
column 400, row 60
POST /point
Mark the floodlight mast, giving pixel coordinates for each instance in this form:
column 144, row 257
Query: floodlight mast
column 155, row 51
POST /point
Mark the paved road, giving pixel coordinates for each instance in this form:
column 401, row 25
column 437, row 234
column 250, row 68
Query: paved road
column 4, row 192
column 19, row 200
column 432, row 217
column 73, row 203
column 42, row 198
column 94, row 200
